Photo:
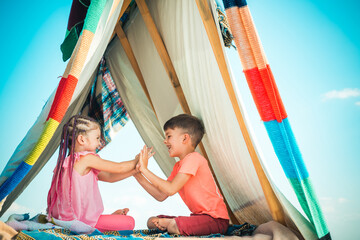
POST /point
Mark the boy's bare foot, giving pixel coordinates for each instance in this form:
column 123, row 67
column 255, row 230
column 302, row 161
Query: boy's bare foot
column 166, row 224
column 121, row 211
column 159, row 223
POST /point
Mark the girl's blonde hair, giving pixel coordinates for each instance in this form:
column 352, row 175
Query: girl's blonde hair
column 77, row 125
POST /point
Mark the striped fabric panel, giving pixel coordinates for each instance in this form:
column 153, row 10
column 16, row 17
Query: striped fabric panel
column 62, row 98
column 49, row 130
column 272, row 111
column 308, row 200
column 286, row 149
column 14, row 179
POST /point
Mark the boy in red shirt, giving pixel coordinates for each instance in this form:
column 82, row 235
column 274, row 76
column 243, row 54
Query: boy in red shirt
column 191, row 178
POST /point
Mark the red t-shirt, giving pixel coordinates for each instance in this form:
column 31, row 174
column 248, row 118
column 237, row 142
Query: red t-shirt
column 200, row 192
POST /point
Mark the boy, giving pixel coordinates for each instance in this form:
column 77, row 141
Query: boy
column 191, row 178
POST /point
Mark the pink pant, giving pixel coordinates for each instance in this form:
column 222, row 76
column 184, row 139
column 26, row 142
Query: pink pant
column 115, row 223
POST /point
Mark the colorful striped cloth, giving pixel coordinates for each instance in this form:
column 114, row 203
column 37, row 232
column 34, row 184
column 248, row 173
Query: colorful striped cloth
column 62, row 98
column 105, row 105
column 272, row 111
column 75, row 26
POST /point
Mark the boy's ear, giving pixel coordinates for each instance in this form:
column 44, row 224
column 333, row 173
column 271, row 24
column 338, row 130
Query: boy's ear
column 186, row 138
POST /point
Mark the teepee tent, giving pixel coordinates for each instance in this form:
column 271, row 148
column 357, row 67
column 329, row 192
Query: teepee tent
column 167, row 58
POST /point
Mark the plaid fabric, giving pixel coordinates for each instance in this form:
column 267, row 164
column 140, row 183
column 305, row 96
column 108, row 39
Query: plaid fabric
column 105, row 105
column 225, row 29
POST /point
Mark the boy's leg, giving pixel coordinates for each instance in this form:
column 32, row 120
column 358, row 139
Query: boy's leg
column 201, row 224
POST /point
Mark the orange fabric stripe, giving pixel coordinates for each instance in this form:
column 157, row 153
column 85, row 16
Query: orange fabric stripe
column 240, row 38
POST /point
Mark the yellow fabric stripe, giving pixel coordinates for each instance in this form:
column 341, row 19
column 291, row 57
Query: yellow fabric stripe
column 48, row 132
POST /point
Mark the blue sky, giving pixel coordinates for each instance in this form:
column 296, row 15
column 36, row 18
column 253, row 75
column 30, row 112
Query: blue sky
column 313, row 49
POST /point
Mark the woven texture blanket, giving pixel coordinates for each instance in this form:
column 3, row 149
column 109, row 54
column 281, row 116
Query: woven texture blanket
column 61, row 233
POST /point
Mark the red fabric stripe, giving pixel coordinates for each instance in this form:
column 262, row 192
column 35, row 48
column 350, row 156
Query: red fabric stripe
column 267, row 106
column 63, row 97
column 277, row 94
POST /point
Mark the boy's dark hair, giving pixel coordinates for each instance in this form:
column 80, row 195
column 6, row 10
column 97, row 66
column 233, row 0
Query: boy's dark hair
column 191, row 124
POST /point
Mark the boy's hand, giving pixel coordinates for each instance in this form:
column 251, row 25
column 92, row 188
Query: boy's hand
column 137, row 165
column 145, row 154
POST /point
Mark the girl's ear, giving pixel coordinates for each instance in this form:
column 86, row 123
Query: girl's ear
column 80, row 139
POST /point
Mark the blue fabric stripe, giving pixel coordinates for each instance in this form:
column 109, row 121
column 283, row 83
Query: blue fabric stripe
column 14, row 179
column 286, row 149
column 234, row 3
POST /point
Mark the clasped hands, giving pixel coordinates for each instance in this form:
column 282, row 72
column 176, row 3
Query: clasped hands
column 143, row 158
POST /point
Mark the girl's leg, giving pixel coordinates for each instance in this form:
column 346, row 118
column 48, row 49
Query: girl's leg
column 115, row 222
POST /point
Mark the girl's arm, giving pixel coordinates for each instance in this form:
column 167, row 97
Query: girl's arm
column 109, row 171
column 114, row 177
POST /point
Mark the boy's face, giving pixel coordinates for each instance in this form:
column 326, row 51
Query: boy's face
column 174, row 139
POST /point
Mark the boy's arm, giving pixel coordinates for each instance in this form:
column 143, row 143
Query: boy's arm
column 167, row 187
column 152, row 190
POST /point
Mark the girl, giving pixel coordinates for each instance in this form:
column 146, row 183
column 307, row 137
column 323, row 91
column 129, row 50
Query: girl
column 74, row 192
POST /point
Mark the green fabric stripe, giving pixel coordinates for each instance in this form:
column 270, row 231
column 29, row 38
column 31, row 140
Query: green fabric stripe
column 67, row 47
column 93, row 15
column 308, row 201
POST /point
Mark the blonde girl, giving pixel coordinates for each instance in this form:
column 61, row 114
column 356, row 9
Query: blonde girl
column 74, row 193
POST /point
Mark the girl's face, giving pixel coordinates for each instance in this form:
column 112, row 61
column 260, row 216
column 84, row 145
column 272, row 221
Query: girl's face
column 93, row 140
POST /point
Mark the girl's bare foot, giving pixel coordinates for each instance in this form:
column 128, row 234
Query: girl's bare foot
column 121, row 211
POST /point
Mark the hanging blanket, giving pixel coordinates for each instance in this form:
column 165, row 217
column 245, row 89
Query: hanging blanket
column 105, row 105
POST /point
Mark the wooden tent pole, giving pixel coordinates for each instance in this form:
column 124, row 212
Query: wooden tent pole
column 276, row 209
column 130, row 54
column 125, row 5
column 165, row 58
